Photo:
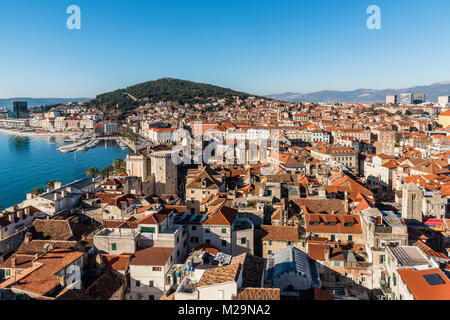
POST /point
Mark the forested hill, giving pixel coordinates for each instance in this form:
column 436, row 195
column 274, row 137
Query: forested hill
column 123, row 101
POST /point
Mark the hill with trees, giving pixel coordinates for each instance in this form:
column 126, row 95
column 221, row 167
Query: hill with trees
column 122, row 102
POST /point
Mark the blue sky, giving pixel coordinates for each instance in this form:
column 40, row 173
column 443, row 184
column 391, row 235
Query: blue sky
column 257, row 46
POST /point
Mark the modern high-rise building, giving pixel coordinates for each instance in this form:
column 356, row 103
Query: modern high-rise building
column 418, row 98
column 17, row 110
column 391, row 99
column 406, row 98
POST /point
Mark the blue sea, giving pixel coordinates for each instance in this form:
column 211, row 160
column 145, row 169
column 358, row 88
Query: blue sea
column 27, row 163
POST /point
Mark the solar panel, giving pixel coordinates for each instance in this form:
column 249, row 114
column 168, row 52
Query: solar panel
column 434, row 279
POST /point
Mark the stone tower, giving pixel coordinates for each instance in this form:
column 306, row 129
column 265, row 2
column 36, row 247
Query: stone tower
column 412, row 198
column 164, row 173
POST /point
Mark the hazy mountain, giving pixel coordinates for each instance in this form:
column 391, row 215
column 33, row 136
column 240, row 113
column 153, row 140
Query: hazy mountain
column 37, row 102
column 432, row 92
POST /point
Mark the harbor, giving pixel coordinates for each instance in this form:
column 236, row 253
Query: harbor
column 82, row 144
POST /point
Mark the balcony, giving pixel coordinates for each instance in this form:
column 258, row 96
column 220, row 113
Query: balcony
column 385, row 287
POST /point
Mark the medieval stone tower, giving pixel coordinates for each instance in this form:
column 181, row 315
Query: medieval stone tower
column 412, row 198
column 164, row 173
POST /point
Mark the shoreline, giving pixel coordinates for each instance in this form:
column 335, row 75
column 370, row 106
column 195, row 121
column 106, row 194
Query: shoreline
column 31, row 134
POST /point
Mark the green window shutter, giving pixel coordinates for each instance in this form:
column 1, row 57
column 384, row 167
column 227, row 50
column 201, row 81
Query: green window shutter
column 350, row 238
column 224, row 230
column 269, row 252
column 394, row 280
column 138, row 283
column 113, row 246
column 333, row 237
column 151, row 284
column 148, row 230
column 207, row 230
column 7, row 272
column 151, row 298
column 270, row 242
column 243, row 240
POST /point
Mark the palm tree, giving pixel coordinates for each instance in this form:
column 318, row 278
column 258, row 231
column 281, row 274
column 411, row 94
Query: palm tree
column 104, row 174
column 37, row 191
column 93, row 172
column 51, row 184
column 120, row 165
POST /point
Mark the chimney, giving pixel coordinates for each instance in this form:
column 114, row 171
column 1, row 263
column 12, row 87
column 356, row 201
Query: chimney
column 29, row 196
column 58, row 185
column 28, row 237
column 13, row 263
column 55, row 196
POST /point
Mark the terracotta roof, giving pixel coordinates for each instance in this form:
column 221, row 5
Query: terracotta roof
column 250, row 294
column 421, row 289
column 224, row 274
column 340, row 226
column 280, row 233
column 52, row 230
column 42, row 278
column 116, row 262
column 253, row 269
column 221, row 215
column 153, row 256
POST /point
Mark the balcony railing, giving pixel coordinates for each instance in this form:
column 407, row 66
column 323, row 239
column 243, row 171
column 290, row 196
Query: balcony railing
column 385, row 288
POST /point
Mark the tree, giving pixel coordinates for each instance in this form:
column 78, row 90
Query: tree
column 93, row 172
column 105, row 173
column 36, row 192
column 50, row 184
column 120, row 165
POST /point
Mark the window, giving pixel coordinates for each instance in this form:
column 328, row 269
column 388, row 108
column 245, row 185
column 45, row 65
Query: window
column 394, row 279
column 381, row 258
column 224, row 230
column 151, row 297
column 113, row 246
column 269, row 252
column 337, row 278
column 243, row 240
column 157, row 269
column 288, row 243
column 208, row 241
column 151, row 284
column 138, row 283
column 7, row 273
column 333, row 238
column 207, row 230
column 350, row 238
column 194, row 228
column 148, row 230
column 270, row 242
column 224, row 243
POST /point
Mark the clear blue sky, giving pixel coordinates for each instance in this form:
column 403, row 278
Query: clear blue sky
column 258, row 46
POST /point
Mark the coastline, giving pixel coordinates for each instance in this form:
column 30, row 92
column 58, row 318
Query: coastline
column 32, row 134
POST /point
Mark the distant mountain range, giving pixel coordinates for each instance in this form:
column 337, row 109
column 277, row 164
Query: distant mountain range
column 37, row 102
column 432, row 93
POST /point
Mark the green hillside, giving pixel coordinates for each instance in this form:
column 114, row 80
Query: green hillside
column 121, row 103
